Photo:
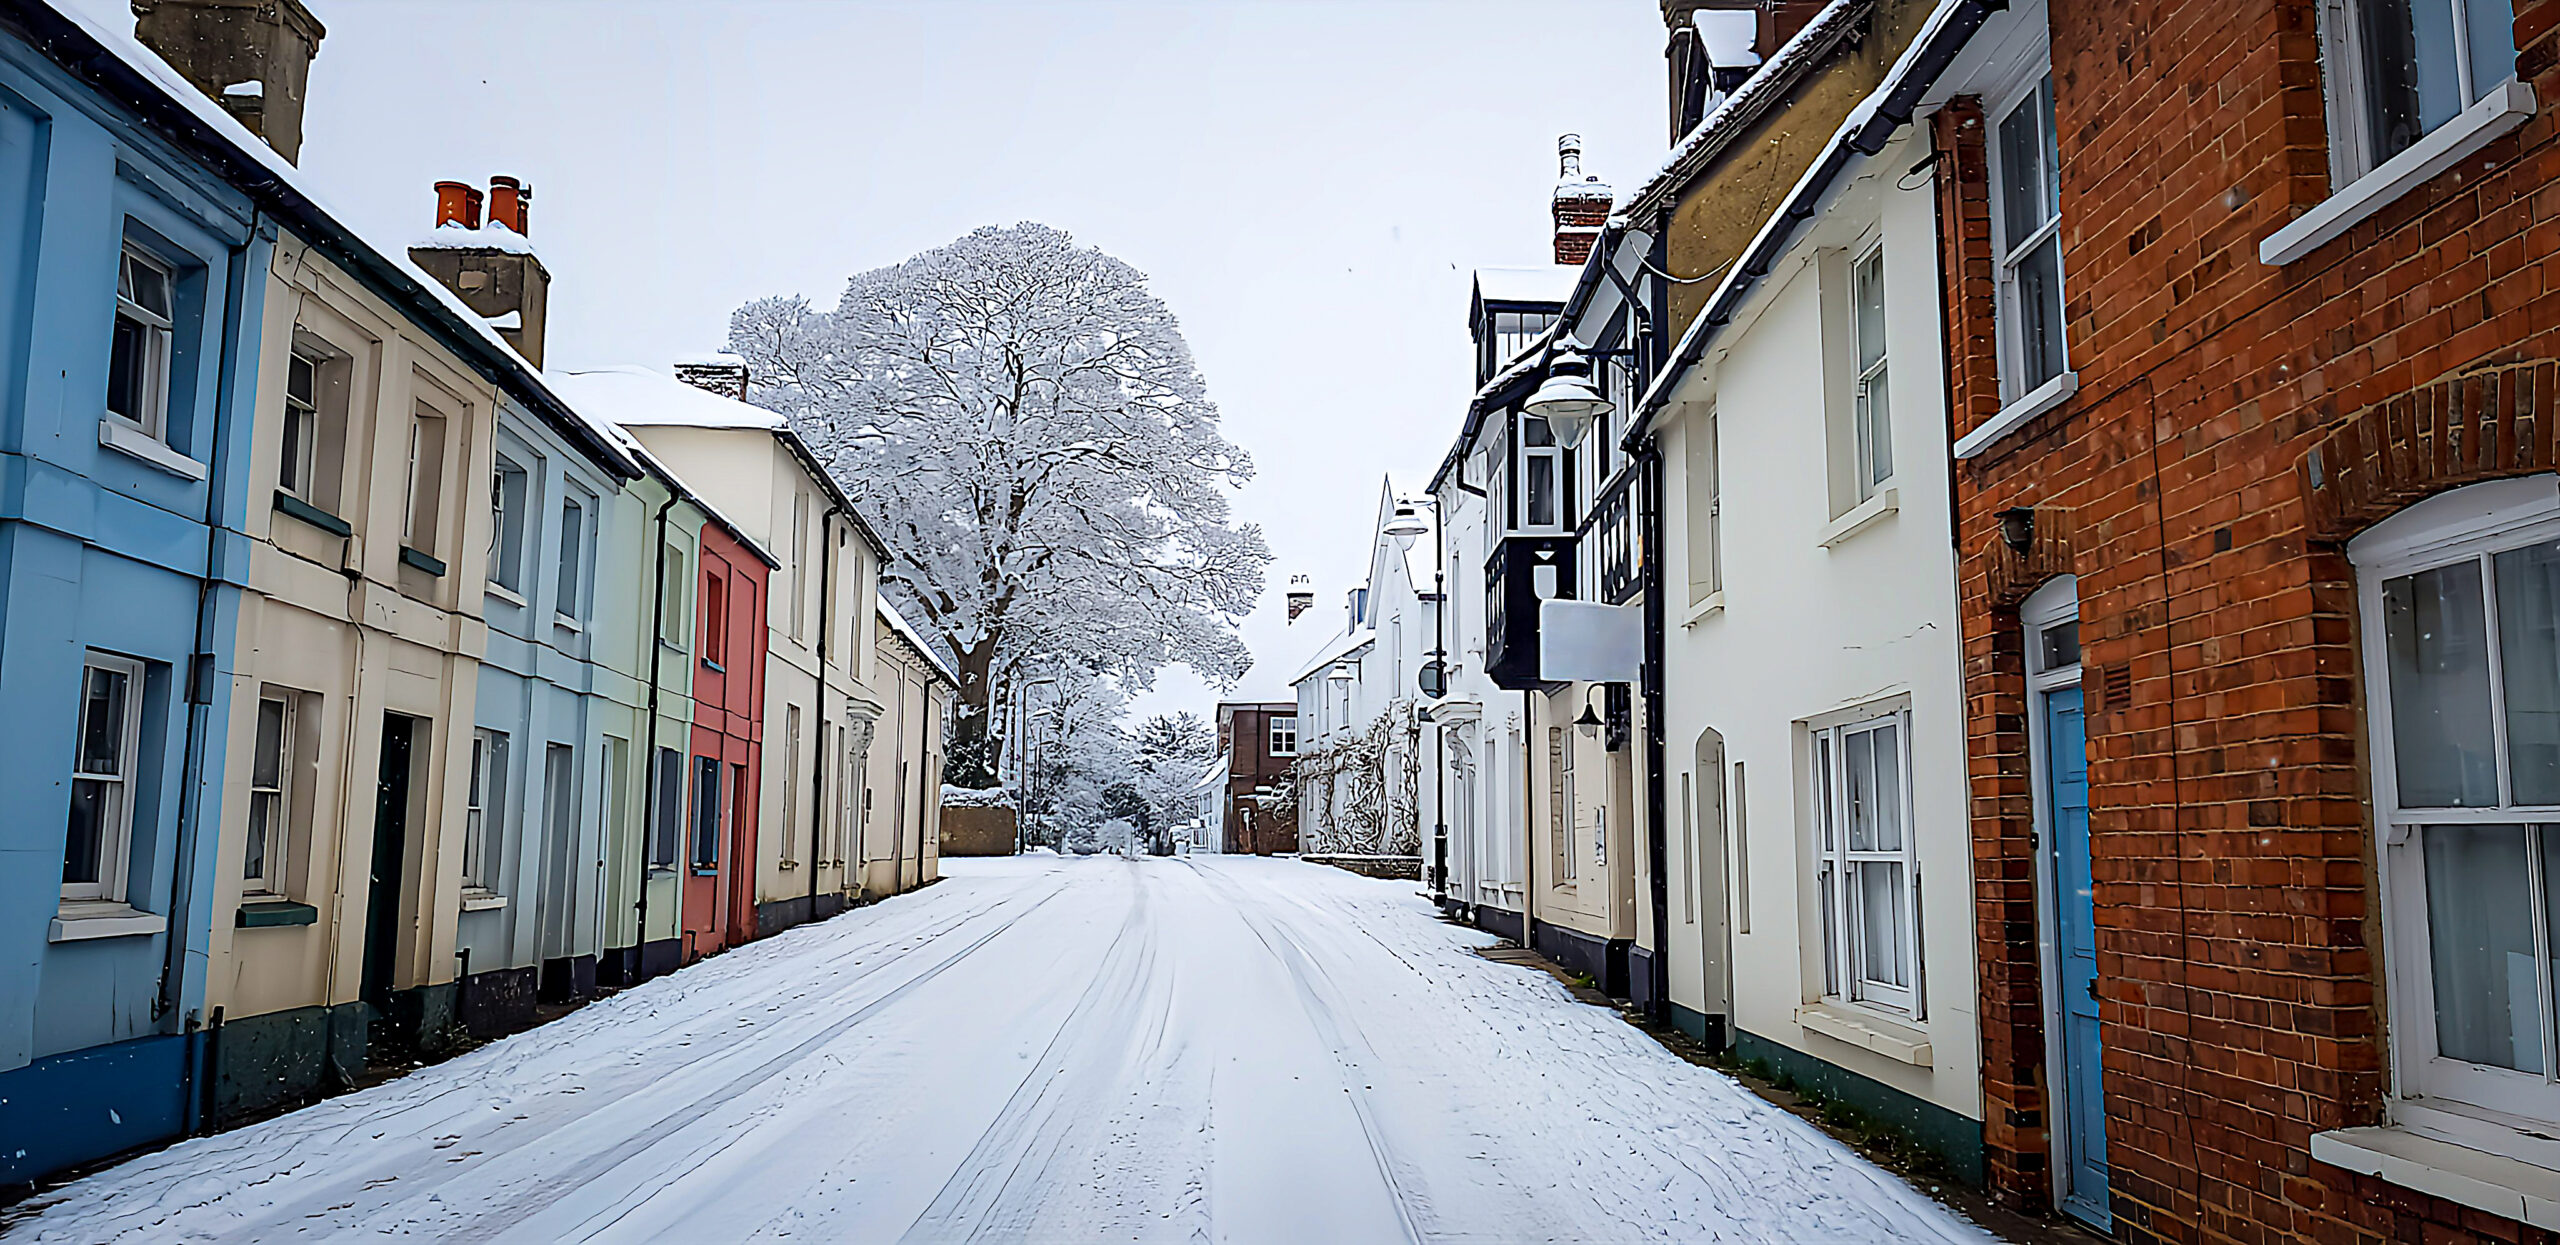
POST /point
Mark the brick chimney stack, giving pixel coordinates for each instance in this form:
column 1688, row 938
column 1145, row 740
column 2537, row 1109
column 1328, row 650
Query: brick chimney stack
column 253, row 57
column 724, row 374
column 1581, row 204
column 492, row 267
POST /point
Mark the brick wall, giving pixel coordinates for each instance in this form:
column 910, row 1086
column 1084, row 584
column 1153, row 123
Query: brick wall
column 2237, row 936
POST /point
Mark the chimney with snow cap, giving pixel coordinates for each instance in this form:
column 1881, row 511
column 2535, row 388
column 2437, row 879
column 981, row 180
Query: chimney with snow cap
column 252, row 56
column 1581, row 204
column 493, row 269
column 721, row 373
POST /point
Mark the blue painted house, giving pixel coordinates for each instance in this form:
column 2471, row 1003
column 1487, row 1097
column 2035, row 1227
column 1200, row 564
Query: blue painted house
column 131, row 273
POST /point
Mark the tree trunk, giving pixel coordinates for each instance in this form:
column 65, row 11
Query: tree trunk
column 970, row 759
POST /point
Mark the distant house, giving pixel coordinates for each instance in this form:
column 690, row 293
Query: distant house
column 1357, row 777
column 1257, row 743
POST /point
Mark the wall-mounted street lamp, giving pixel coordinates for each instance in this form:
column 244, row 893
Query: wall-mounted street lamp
column 2018, row 529
column 1589, row 722
column 1567, row 401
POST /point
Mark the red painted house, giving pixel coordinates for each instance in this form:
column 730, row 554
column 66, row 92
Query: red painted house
column 728, row 717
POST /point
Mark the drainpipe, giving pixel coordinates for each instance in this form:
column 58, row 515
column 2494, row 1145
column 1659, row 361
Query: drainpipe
column 198, row 695
column 818, row 760
column 1440, row 737
column 649, row 796
column 1657, row 838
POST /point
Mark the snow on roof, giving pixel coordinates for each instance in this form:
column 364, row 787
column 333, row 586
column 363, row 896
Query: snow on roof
column 1342, row 645
column 712, row 358
column 495, row 236
column 897, row 621
column 1765, row 87
column 640, row 397
column 237, row 143
column 1728, row 34
column 1525, row 285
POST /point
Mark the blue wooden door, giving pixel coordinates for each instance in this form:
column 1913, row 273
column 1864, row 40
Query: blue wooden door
column 2083, row 1114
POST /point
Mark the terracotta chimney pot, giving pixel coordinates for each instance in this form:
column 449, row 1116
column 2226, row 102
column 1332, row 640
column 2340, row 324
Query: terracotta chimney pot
column 455, row 205
column 508, row 201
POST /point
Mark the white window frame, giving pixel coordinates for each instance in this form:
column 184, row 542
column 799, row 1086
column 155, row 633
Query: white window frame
column 569, row 595
column 271, row 805
column 2487, row 1108
column 115, row 834
column 484, row 812
column 789, row 847
column 506, row 521
column 803, row 583
column 159, row 336
column 298, row 454
column 2354, row 149
column 1871, row 429
column 1567, row 825
column 1552, row 453
column 2007, row 254
column 1844, row 968
column 1284, row 736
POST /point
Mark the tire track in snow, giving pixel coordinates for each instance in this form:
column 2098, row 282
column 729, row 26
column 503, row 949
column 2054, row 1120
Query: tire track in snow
column 998, row 1191
column 1343, row 1035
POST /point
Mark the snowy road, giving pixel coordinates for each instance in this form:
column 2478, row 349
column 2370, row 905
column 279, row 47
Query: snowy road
column 1211, row 1049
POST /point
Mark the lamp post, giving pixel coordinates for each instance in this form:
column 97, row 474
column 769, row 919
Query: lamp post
column 1567, row 400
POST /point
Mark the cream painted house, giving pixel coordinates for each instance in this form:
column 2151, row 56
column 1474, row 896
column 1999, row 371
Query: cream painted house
column 821, row 708
column 902, row 801
column 359, row 647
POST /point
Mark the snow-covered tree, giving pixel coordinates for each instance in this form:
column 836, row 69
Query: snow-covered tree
column 1023, row 421
column 1169, row 752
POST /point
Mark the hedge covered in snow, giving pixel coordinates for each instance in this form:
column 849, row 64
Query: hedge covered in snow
column 976, row 797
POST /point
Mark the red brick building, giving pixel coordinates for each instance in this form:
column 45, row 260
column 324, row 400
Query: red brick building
column 2271, row 518
column 1260, row 742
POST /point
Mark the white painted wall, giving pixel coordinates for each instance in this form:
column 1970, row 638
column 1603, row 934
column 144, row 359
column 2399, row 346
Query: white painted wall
column 1806, row 630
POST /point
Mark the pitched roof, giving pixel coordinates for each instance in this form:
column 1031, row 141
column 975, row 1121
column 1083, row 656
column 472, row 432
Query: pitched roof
column 123, row 69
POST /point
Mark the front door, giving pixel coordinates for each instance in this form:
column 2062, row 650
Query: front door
column 2083, row 1116
column 390, row 853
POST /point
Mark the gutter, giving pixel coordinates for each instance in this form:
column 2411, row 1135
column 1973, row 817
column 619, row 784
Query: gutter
column 1865, row 131
column 649, row 796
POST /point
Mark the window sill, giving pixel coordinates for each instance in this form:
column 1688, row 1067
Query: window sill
column 505, row 593
column 288, row 504
column 79, row 921
column 2475, row 1178
column 124, row 438
column 1866, row 514
column 790, row 864
column 422, row 561
column 713, row 666
column 709, row 871
column 1704, row 610
column 566, row 623
column 272, row 912
column 482, row 901
column 1900, row 1043
column 662, row 871
column 2502, row 109
column 2015, row 415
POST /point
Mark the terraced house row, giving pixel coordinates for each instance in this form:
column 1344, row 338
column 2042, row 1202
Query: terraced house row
column 2009, row 584
column 367, row 686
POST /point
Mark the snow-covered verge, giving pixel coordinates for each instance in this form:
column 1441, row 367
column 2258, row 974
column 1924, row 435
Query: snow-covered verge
column 1043, row 1048
column 976, row 797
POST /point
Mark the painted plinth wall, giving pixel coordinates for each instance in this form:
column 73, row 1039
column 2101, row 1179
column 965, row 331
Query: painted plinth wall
column 534, row 864
column 1820, row 881
column 120, row 559
column 350, row 655
column 728, row 722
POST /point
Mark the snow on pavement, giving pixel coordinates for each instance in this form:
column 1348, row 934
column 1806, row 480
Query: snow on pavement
column 1038, row 1049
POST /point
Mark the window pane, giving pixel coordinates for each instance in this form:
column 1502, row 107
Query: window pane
column 1827, row 813
column 1535, row 432
column 2039, row 308
column 2482, row 944
column 2024, row 185
column 262, row 809
column 508, row 499
column 301, row 380
column 2493, row 43
column 1541, row 496
column 1875, row 430
column 2061, row 645
column 1870, row 283
column 1830, row 932
column 102, row 723
column 573, row 526
column 2437, row 641
column 150, row 288
column 266, row 766
column 1861, row 749
column 1880, row 898
column 2411, row 82
column 83, row 850
column 2529, row 652
column 1888, row 806
column 127, row 362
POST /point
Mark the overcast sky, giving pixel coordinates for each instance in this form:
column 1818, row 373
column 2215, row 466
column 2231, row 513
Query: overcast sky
column 1308, row 182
